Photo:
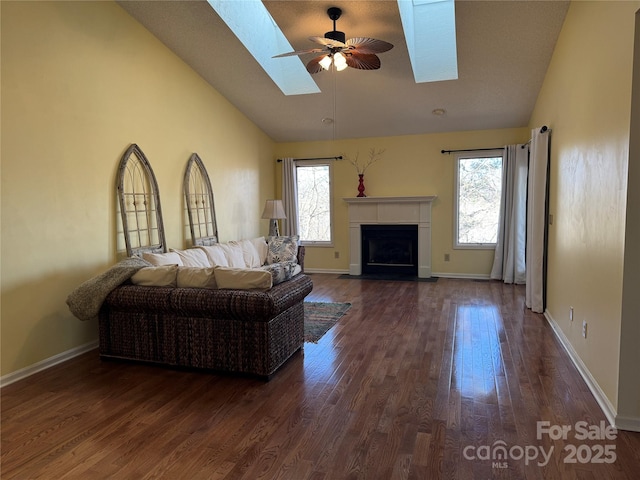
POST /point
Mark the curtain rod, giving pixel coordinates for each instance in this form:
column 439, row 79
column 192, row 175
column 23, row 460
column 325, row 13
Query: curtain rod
column 471, row 150
column 543, row 129
column 339, row 157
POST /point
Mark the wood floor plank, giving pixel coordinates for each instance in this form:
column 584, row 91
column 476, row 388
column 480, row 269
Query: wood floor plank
column 418, row 380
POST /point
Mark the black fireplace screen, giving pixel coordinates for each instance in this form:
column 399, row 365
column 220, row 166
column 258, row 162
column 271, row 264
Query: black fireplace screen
column 390, row 249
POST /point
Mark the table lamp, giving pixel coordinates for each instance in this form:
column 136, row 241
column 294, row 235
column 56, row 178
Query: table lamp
column 273, row 210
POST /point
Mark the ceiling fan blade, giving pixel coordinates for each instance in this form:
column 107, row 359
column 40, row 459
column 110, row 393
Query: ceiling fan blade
column 328, row 42
column 314, row 65
column 368, row 45
column 299, row 52
column 363, row 61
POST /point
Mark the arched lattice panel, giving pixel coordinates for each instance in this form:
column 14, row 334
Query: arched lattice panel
column 140, row 207
column 200, row 205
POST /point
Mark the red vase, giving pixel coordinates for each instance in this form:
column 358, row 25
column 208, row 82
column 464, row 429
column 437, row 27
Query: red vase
column 361, row 185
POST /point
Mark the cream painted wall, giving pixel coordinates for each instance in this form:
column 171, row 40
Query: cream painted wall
column 411, row 165
column 80, row 82
column 586, row 100
column 629, row 391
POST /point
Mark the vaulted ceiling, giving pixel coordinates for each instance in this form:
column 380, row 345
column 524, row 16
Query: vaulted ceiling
column 504, row 48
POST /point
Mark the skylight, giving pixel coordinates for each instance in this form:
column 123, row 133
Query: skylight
column 255, row 28
column 430, row 30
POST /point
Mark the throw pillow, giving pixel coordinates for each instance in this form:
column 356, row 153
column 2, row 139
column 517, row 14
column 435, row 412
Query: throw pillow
column 158, row 259
column 282, row 271
column 250, row 254
column 261, row 247
column 195, row 277
column 242, row 278
column 193, row 257
column 216, row 255
column 162, row 276
column 282, row 249
column 233, row 253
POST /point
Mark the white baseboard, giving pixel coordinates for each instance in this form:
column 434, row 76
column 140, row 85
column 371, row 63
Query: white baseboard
column 469, row 276
column 618, row 421
column 606, row 406
column 46, row 363
column 326, row 270
column 627, row 423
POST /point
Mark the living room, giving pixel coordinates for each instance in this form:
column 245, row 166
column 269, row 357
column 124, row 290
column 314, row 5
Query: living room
column 83, row 80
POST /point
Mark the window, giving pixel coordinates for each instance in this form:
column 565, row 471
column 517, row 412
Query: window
column 314, row 202
column 478, row 191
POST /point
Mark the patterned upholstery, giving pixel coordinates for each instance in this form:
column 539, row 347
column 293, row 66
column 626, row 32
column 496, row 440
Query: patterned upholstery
column 240, row 331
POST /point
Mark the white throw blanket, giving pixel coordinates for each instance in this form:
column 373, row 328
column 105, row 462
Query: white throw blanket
column 86, row 300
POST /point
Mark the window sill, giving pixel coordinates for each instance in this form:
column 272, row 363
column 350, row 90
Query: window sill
column 317, row 244
column 476, row 246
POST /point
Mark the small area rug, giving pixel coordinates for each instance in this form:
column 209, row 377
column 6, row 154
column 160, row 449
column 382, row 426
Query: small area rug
column 319, row 317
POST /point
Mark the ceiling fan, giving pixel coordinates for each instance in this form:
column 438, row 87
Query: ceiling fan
column 359, row 52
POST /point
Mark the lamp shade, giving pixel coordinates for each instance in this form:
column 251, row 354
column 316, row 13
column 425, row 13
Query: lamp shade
column 273, row 209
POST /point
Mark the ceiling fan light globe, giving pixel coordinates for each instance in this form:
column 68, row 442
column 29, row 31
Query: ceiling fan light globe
column 325, row 62
column 339, row 61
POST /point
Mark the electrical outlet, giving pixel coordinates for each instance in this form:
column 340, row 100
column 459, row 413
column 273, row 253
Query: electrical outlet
column 584, row 329
column 336, row 254
column 571, row 313
column 446, row 257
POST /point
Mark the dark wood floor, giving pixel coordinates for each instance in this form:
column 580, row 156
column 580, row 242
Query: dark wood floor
column 418, row 380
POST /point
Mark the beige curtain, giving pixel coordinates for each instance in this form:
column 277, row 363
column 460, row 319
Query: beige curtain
column 509, row 261
column 537, row 219
column 290, row 196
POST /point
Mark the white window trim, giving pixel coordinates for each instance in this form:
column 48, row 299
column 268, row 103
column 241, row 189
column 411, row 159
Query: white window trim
column 329, row 163
column 499, row 152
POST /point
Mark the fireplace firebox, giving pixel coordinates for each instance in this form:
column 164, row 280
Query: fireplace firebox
column 390, row 249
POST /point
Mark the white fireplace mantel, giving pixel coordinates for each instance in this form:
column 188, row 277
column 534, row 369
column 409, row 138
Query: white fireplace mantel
column 390, row 211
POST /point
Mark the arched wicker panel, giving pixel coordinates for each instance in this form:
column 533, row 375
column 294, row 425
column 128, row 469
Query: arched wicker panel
column 200, row 205
column 140, row 207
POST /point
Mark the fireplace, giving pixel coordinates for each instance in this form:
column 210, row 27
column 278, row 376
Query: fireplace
column 399, row 211
column 391, row 249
